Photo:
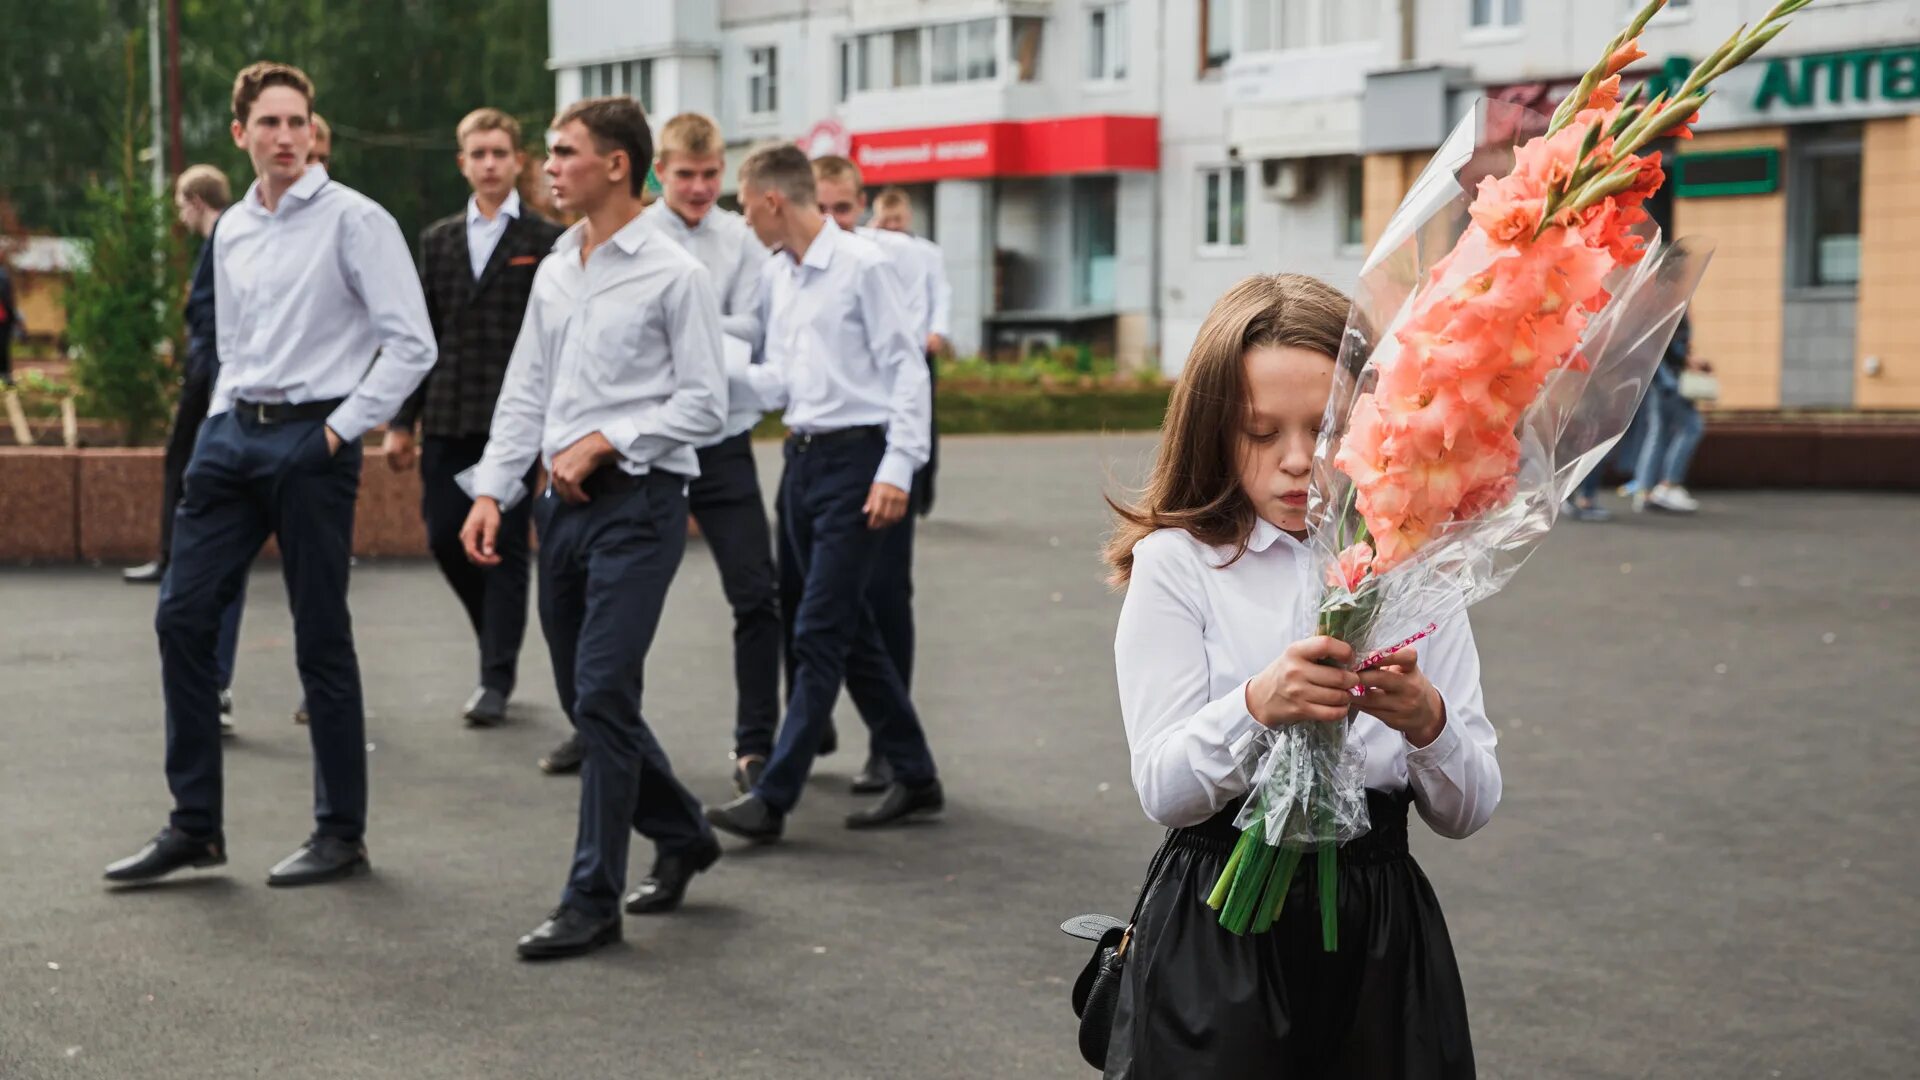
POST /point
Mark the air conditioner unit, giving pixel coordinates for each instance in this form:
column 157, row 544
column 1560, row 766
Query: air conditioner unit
column 1286, row 179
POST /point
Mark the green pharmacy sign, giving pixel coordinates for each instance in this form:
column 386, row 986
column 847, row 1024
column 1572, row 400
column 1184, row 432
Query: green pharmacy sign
column 1857, row 76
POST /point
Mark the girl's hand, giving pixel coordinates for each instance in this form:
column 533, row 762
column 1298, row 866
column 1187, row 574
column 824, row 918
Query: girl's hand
column 1298, row 688
column 1400, row 696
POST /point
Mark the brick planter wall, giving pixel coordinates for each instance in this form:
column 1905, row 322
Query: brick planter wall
column 103, row 505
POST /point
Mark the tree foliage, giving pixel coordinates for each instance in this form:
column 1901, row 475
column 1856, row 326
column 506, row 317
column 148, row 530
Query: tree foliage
column 393, row 77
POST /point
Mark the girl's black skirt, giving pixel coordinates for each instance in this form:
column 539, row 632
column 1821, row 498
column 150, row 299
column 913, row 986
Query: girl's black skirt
column 1196, row 1001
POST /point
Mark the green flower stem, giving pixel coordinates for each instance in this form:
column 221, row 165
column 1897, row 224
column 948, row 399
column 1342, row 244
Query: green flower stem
column 1219, row 895
column 1330, row 896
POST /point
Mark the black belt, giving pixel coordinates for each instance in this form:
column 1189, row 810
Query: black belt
column 804, row 441
column 610, row 480
column 1385, row 841
column 283, row 412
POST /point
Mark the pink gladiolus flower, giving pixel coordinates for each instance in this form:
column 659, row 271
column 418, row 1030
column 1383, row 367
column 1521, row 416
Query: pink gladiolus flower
column 1351, row 568
column 1508, row 208
column 1624, row 55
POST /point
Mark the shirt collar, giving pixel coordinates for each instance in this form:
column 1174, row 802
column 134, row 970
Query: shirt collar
column 629, row 239
column 669, row 216
column 510, row 208
column 305, row 188
column 820, row 252
column 633, row 234
column 1265, row 534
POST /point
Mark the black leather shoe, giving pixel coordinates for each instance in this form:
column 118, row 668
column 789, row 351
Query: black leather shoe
column 320, row 859
column 485, row 708
column 662, row 890
column 748, row 816
column 569, row 933
column 148, row 574
column 901, row 803
column 747, row 770
column 828, row 742
column 874, row 777
column 566, row 757
column 167, row 852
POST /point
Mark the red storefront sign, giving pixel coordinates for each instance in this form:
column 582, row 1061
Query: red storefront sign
column 1075, row 144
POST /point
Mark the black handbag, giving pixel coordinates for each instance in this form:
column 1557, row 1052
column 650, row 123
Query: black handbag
column 1096, row 993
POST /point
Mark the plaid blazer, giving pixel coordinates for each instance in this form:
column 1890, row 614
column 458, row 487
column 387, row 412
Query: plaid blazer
column 475, row 321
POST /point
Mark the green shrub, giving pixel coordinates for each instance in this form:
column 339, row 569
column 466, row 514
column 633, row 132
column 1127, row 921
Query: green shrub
column 122, row 304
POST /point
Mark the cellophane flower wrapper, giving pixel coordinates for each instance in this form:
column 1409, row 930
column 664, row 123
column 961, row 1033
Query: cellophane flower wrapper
column 1306, row 782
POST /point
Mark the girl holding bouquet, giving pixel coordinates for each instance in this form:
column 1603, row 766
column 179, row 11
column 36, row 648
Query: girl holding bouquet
column 1213, row 561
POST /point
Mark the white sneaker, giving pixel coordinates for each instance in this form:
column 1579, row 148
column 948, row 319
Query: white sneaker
column 1639, row 499
column 1674, row 499
column 226, row 713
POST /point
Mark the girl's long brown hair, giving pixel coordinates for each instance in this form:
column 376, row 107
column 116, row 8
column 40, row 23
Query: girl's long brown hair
column 1195, row 480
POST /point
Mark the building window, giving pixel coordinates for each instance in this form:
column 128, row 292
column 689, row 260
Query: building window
column 762, row 70
column 1107, row 42
column 1493, row 14
column 946, row 53
column 1216, row 34
column 1829, row 214
column 1023, row 46
column 1225, row 226
column 1353, row 225
column 979, row 50
column 1308, row 24
column 941, row 54
column 633, row 77
column 906, row 57
column 1095, row 240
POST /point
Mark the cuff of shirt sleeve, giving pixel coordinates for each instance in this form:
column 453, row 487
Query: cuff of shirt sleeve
column 623, row 433
column 348, row 423
column 896, row 468
column 1237, row 726
column 476, row 483
column 1437, row 753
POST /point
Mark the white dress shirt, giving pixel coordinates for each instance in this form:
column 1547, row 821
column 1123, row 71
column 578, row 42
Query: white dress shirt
column 307, row 293
column 627, row 345
column 1194, row 630
column 483, row 235
column 939, row 290
column 733, row 257
column 841, row 351
column 909, row 265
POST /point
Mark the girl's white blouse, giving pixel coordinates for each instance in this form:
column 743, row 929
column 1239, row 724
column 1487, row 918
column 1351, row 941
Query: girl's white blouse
column 1194, row 630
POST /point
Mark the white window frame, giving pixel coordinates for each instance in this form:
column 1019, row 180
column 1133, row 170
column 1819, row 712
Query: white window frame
column 1319, row 18
column 1116, row 45
column 1498, row 28
column 618, row 77
column 763, row 73
column 1353, row 205
column 1225, row 246
column 880, row 68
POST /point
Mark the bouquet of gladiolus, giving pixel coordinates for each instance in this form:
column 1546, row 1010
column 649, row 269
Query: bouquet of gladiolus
column 1503, row 331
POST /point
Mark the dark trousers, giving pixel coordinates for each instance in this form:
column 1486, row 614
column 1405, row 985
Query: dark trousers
column 495, row 597
column 196, row 394
column 249, row 480
column 605, row 567
column 826, row 543
column 726, row 502
column 889, row 593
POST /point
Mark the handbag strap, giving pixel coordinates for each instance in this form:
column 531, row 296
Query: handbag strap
column 1153, row 871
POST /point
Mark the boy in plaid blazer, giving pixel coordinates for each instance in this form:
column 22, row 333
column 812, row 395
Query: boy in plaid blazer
column 476, row 268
